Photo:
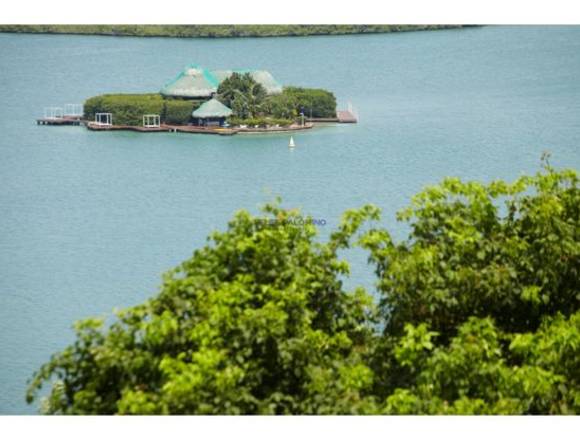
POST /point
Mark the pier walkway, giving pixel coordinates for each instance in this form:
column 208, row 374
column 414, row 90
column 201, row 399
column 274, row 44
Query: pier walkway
column 342, row 117
column 63, row 120
column 222, row 131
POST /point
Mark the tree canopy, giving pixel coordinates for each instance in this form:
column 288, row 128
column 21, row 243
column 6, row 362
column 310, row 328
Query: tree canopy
column 477, row 313
column 242, row 94
column 220, row 31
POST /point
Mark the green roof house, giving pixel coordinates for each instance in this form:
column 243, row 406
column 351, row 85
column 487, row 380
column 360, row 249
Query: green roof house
column 211, row 113
column 197, row 82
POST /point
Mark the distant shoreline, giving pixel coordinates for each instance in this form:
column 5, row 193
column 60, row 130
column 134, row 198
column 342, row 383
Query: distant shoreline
column 219, row 31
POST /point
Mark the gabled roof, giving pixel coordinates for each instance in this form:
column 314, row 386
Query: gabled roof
column 212, row 109
column 193, row 82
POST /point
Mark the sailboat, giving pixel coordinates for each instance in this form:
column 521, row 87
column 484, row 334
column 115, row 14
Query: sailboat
column 291, row 144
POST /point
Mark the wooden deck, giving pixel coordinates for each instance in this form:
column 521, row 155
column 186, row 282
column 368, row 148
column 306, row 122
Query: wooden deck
column 342, row 117
column 221, row 131
column 65, row 120
column 346, row 117
column 196, row 129
column 162, row 128
column 306, row 126
column 104, row 127
column 203, row 130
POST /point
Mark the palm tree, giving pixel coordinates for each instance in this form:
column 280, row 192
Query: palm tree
column 242, row 94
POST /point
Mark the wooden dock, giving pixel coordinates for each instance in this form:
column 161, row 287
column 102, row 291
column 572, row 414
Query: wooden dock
column 296, row 127
column 104, row 127
column 342, row 117
column 163, row 128
column 221, row 131
column 203, row 130
column 167, row 128
column 64, row 120
column 346, row 117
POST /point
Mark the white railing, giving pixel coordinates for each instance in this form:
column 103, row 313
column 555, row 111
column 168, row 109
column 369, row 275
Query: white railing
column 151, row 121
column 103, row 119
column 73, row 110
column 53, row 113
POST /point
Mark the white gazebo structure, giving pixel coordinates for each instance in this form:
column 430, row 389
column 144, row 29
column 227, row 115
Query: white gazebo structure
column 53, row 113
column 103, row 119
column 74, row 110
column 151, row 121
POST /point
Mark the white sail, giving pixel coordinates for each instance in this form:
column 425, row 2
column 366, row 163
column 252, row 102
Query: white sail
column 291, row 144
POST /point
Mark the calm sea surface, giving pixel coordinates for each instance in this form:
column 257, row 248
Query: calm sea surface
column 89, row 221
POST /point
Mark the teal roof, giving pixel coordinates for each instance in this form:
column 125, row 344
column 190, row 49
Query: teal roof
column 196, row 82
column 212, row 109
column 193, row 82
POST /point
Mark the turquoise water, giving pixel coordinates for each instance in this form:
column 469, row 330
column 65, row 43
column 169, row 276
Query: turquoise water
column 89, row 221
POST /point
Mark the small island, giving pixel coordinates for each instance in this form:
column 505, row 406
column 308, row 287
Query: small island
column 199, row 100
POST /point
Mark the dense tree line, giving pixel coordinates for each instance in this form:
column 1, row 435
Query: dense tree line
column 217, row 31
column 128, row 109
column 240, row 92
column 478, row 313
column 248, row 99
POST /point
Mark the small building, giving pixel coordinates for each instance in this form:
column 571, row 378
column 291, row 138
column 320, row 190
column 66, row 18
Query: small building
column 211, row 113
column 195, row 82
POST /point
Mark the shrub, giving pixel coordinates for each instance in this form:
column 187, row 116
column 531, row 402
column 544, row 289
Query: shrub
column 178, row 111
column 283, row 122
column 261, row 122
column 127, row 109
column 283, row 105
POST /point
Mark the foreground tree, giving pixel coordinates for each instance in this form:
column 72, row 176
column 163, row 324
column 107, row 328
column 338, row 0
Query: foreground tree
column 256, row 322
column 481, row 303
column 479, row 313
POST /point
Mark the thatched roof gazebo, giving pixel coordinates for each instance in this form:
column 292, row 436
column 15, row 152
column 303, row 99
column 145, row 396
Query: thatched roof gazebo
column 193, row 82
column 212, row 113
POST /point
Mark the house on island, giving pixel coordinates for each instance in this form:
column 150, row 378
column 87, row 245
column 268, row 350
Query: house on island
column 196, row 82
column 211, row 113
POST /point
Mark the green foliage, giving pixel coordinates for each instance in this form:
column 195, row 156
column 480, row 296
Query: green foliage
column 480, row 372
column 479, row 313
column 487, row 280
column 261, row 122
column 242, row 94
column 178, row 111
column 218, row 31
column 317, row 103
column 128, row 109
column 282, row 105
column 256, row 322
column 469, row 255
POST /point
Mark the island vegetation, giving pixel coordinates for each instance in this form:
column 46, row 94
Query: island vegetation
column 217, row 31
column 478, row 313
column 250, row 103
